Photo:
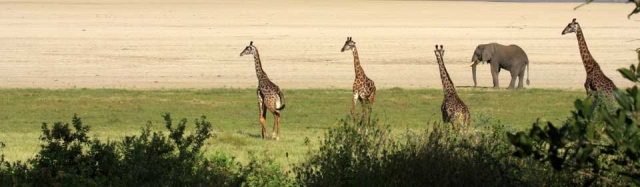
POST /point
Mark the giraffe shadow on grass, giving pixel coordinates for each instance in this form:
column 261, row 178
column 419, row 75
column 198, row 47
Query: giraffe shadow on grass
column 250, row 135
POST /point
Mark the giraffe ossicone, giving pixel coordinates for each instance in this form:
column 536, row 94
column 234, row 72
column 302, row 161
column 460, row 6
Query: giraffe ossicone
column 596, row 82
column 453, row 109
column 269, row 95
column 364, row 89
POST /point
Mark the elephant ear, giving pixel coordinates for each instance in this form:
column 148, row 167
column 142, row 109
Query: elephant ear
column 488, row 52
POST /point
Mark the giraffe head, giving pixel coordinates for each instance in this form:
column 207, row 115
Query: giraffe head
column 571, row 27
column 249, row 50
column 439, row 52
column 348, row 45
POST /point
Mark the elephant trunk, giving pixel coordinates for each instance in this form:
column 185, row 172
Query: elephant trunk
column 474, row 63
column 473, row 70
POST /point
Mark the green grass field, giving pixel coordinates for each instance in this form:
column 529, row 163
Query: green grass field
column 113, row 113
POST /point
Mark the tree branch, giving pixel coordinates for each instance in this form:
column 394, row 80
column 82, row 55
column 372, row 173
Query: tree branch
column 588, row 1
column 636, row 10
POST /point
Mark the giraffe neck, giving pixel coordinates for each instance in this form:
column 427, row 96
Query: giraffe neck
column 262, row 76
column 356, row 64
column 447, row 85
column 587, row 60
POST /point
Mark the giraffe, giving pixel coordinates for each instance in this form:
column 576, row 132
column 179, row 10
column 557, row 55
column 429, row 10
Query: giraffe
column 269, row 95
column 453, row 109
column 597, row 82
column 364, row 90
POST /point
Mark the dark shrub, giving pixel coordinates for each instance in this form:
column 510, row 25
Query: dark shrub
column 70, row 158
column 601, row 144
column 372, row 157
column 157, row 160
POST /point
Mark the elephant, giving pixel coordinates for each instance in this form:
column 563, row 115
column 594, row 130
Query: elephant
column 511, row 58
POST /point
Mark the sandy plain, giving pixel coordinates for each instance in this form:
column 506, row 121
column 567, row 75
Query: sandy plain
column 196, row 44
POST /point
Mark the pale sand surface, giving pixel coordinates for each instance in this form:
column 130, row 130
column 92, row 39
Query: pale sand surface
column 196, row 44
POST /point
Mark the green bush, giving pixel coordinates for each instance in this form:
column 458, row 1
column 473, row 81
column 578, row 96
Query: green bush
column 264, row 172
column 63, row 160
column 5, row 173
column 155, row 159
column 600, row 144
column 372, row 157
column 348, row 156
column 363, row 155
column 70, row 158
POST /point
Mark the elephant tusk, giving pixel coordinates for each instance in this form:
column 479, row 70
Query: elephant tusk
column 472, row 63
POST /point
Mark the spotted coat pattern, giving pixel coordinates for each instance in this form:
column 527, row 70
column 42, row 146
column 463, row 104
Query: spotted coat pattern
column 454, row 111
column 364, row 89
column 597, row 82
column 269, row 95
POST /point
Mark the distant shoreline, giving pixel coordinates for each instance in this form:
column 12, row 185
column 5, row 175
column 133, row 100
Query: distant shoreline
column 543, row 1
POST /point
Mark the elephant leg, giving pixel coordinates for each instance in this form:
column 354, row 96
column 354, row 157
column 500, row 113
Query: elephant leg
column 495, row 70
column 512, row 84
column 521, row 80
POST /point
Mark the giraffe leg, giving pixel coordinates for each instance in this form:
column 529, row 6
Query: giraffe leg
column 369, row 110
column 370, row 106
column 452, row 119
column 461, row 118
column 263, row 113
column 454, row 125
column 276, row 126
column 467, row 120
column 587, row 88
column 363, row 104
column 455, row 122
column 443, row 111
column 353, row 107
column 263, row 120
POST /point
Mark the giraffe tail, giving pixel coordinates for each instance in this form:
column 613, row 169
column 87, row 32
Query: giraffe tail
column 281, row 107
column 528, row 73
column 280, row 102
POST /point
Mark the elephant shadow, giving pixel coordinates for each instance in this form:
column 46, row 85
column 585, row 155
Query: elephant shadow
column 489, row 88
column 475, row 87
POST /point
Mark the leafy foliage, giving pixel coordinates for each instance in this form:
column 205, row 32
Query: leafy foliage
column 5, row 174
column 348, row 156
column 264, row 172
column 70, row 158
column 601, row 145
column 372, row 157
